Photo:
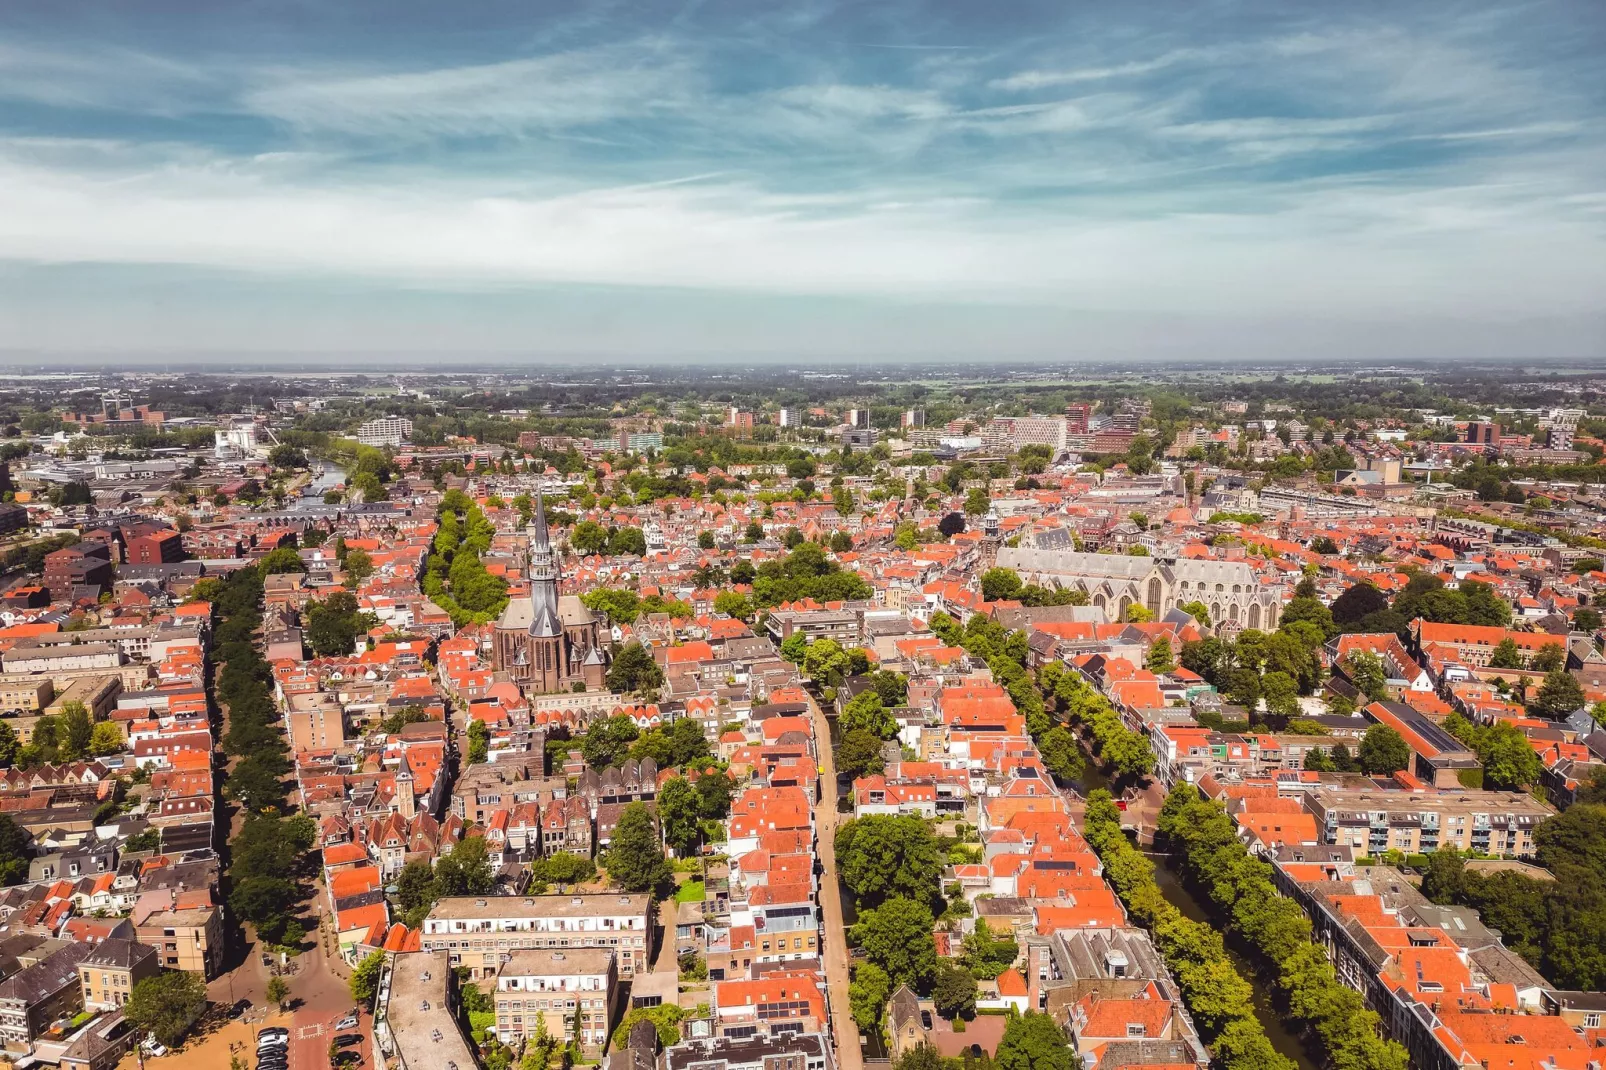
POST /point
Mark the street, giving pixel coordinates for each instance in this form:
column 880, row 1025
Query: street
column 833, row 942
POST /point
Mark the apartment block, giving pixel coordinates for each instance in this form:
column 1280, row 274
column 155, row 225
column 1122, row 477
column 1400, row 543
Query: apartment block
column 572, row 991
column 479, row 935
column 1494, row 822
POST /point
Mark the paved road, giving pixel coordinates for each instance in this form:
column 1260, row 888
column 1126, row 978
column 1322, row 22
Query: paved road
column 843, row 1031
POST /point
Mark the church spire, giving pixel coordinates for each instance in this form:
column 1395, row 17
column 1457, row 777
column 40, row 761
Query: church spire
column 538, row 532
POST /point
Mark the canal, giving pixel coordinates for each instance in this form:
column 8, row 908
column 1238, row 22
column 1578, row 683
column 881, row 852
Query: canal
column 1169, row 877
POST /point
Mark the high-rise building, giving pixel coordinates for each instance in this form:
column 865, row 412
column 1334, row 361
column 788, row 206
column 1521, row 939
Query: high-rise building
column 789, row 418
column 385, row 431
column 913, row 418
column 1076, row 417
column 1483, row 433
column 858, row 417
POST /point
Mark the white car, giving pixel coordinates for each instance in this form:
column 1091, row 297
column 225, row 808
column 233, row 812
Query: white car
column 152, row 1048
column 273, row 1038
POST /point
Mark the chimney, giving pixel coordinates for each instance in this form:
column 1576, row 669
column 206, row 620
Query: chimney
column 1036, row 966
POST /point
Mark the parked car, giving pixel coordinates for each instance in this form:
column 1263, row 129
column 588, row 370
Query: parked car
column 273, row 1036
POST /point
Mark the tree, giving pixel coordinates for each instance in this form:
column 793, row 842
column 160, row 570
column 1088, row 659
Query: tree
column 166, row 1005
column 634, row 860
column 1550, row 657
column 1366, row 672
column 634, row 670
column 954, row 992
column 795, row 648
column 588, row 538
column 1558, row 696
column 1159, row 659
column 607, row 742
column 365, row 978
column 277, row 991
column 705, row 540
column 952, row 524
column 883, row 856
column 867, row 995
column 999, row 583
column 478, row 741
column 1507, row 655
column 283, row 559
column 8, row 745
column 865, row 712
column 74, row 732
column 105, row 738
column 1198, row 611
column 1384, row 751
column 734, row 604
column 896, row 936
column 1032, row 1041
column 359, row 566
column 13, row 852
column 1061, row 754
column 681, row 815
column 859, row 754
column 1280, row 695
column 986, row 955
column 465, row 869
column 1358, row 602
column 922, row 1056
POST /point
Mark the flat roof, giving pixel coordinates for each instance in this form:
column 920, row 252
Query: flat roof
column 419, row 1014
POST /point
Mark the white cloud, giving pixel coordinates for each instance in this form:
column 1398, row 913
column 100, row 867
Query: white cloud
column 552, row 92
column 1360, row 250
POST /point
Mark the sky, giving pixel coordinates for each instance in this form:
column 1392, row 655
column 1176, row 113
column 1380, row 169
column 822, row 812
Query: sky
column 748, row 181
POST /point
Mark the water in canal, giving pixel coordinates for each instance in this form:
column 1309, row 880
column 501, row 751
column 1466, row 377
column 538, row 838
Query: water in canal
column 1169, row 877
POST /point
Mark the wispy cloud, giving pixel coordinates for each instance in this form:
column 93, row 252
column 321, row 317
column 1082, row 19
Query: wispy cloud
column 1312, row 165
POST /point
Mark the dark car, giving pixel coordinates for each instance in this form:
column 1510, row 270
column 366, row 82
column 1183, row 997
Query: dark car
column 345, row 1040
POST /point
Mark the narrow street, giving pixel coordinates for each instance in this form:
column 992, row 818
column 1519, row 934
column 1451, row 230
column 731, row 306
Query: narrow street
column 834, row 948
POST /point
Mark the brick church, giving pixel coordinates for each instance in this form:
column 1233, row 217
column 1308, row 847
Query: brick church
column 546, row 641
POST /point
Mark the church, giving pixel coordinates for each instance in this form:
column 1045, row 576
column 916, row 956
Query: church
column 1230, row 589
column 545, row 641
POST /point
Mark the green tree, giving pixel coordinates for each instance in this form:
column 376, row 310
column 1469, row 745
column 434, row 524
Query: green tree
column 954, row 992
column 1160, row 659
column 1198, row 611
column 105, row 738
column 283, row 559
column 364, row 981
column 859, row 754
column 1384, row 751
column 167, row 1005
column 880, row 857
column 986, row 955
column 8, row 745
column 997, row 583
column 465, row 869
column 607, row 742
column 277, row 990
column 1507, row 655
column 977, row 501
column 75, row 732
column 634, row 860
column 864, row 712
column 634, row 670
column 868, row 993
column 1032, row 1041
column 1365, row 670
column 1558, row 696
column 896, row 936
column 680, row 813
column 13, row 852
column 359, row 566
column 705, row 540
column 922, row 1056
column 478, row 741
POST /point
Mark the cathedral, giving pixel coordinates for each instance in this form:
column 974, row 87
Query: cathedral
column 545, row 641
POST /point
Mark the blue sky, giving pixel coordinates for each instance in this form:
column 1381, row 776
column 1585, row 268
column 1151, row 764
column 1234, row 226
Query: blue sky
column 1045, row 181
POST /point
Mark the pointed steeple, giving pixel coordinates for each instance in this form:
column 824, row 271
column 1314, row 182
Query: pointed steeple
column 538, row 532
column 543, row 574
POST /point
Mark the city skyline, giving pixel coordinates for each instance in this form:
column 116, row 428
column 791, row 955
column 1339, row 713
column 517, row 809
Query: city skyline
column 838, row 183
